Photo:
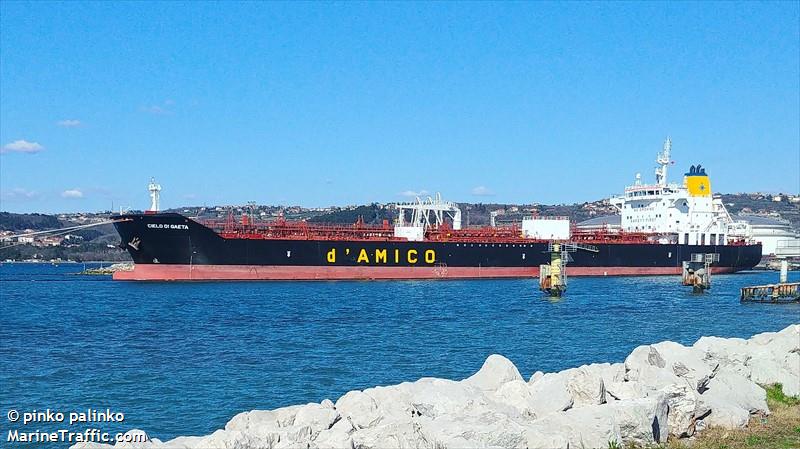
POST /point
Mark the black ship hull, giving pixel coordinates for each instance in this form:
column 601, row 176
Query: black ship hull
column 172, row 247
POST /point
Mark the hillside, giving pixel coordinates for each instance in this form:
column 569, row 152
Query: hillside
column 758, row 203
column 91, row 244
column 19, row 222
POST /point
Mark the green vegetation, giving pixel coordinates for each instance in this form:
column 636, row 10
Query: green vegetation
column 19, row 222
column 779, row 430
column 761, row 203
column 776, row 395
column 373, row 214
column 83, row 252
column 84, row 244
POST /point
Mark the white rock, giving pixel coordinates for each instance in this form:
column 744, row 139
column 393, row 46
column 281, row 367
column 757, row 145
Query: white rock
column 684, row 402
column 732, row 398
column 316, row 416
column 685, row 408
column 777, row 343
column 272, row 428
column 496, row 371
column 517, row 394
column 431, row 398
column 183, row 443
column 235, row 439
column 767, row 369
column 489, row 429
column 687, row 363
column 642, row 422
column 642, row 356
column 724, row 413
column 259, row 420
column 792, row 330
column 610, row 372
column 405, row 434
column 592, row 426
column 654, row 378
column 730, row 353
column 623, row 390
column 738, row 390
column 791, row 380
column 359, row 408
column 90, row 445
column 550, row 394
column 586, row 386
column 542, row 438
column 536, row 376
column 339, row 436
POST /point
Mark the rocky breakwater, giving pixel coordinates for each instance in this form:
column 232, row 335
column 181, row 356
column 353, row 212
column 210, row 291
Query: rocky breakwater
column 660, row 390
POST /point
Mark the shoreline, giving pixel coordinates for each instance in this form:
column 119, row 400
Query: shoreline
column 663, row 390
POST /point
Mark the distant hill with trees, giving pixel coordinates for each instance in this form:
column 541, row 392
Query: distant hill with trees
column 19, row 222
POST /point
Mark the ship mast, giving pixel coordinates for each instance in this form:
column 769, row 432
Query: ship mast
column 663, row 160
column 155, row 192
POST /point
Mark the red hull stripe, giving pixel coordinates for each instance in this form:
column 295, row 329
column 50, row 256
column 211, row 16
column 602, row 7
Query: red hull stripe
column 163, row 272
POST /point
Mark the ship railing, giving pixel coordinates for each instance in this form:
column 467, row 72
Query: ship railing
column 546, row 217
column 300, row 230
column 613, row 236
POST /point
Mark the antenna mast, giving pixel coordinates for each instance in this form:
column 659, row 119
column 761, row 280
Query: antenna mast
column 663, row 160
column 155, row 190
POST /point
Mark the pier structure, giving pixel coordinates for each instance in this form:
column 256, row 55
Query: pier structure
column 553, row 276
column 774, row 293
column 697, row 271
column 781, row 292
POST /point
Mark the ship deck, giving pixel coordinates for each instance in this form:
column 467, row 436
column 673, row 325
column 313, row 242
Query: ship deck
column 359, row 231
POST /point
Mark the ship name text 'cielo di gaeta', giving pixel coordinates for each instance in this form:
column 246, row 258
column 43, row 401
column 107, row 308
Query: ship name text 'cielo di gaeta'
column 662, row 225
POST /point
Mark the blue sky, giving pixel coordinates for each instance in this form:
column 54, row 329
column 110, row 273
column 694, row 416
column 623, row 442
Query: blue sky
column 341, row 103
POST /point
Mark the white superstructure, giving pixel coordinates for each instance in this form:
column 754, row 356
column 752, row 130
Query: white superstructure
column 424, row 214
column 684, row 214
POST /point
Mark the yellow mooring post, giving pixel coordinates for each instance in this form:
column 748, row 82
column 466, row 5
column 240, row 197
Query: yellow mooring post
column 552, row 278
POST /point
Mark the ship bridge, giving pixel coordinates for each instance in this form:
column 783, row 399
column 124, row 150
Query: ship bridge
column 686, row 214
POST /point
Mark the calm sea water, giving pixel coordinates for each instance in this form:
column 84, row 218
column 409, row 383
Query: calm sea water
column 183, row 358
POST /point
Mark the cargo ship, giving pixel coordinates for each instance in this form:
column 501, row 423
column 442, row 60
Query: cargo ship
column 662, row 225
